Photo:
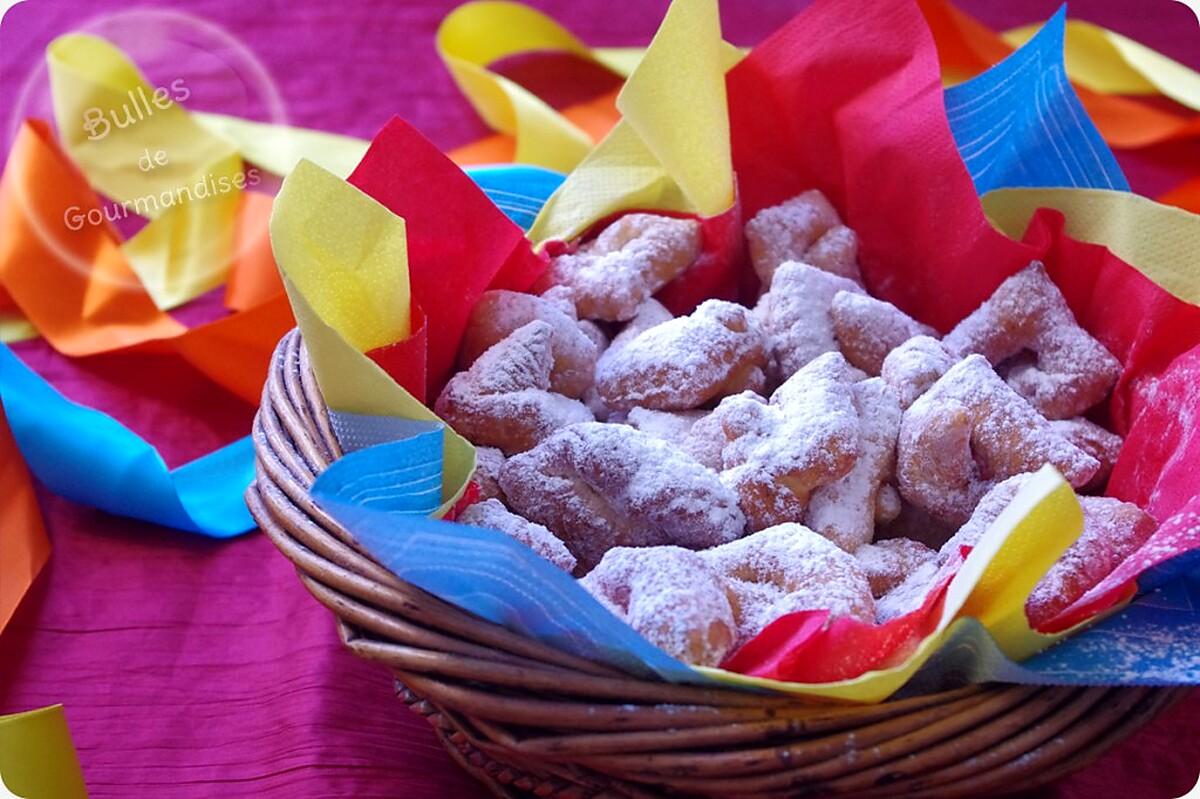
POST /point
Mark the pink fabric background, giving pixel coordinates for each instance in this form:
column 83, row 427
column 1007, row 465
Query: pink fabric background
column 193, row 669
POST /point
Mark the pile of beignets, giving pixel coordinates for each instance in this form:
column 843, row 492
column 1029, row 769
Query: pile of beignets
column 703, row 475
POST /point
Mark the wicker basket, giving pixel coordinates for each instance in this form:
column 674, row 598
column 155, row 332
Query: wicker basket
column 527, row 719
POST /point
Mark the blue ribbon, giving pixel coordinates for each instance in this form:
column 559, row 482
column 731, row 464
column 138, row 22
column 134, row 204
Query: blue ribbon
column 91, row 458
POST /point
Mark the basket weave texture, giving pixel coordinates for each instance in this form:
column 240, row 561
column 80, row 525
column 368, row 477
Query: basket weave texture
column 529, row 720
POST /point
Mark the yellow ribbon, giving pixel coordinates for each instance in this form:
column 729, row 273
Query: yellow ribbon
column 344, row 262
column 136, row 144
column 478, row 34
column 278, row 148
column 1107, row 62
column 1160, row 241
column 37, row 758
column 670, row 151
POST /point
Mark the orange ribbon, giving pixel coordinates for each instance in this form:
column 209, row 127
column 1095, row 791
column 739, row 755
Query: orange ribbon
column 77, row 289
column 24, row 547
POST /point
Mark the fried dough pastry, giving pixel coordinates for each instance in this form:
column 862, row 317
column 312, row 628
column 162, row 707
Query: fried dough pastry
column 499, row 313
column 970, row 431
column 795, row 316
column 914, row 366
column 844, row 511
column 685, row 362
column 785, row 569
column 492, row 515
column 671, row 596
column 488, row 461
column 776, row 454
column 597, row 486
column 671, row 426
column 1027, row 313
column 632, row 258
column 805, row 228
column 504, row 400
column 868, row 329
column 1112, row 531
column 888, row 563
column 1101, row 444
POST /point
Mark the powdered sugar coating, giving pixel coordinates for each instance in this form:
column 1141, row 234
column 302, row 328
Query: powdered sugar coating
column 1027, row 312
column 785, row 569
column 837, row 252
column 491, row 514
column 670, row 596
column 685, row 362
column 706, row 438
column 498, row 313
column 888, row 563
column 795, row 315
column 968, row 432
column 912, row 367
column 650, row 313
column 632, row 258
column 804, row 228
column 598, row 485
column 671, row 426
column 844, row 511
column 778, row 453
column 868, row 329
column 504, row 400
column 1101, row 444
column 563, row 298
column 1112, row 531
column 488, row 461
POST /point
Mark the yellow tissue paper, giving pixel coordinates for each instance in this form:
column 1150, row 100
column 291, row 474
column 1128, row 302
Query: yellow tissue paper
column 670, row 151
column 347, row 255
column 1160, row 241
column 344, row 262
column 37, row 758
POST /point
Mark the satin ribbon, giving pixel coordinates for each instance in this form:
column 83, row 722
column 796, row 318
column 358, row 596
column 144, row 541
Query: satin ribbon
column 90, row 458
column 37, row 757
column 137, row 145
column 1102, row 63
column 24, row 547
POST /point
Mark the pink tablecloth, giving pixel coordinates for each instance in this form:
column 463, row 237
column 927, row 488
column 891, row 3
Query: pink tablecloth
column 195, row 669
